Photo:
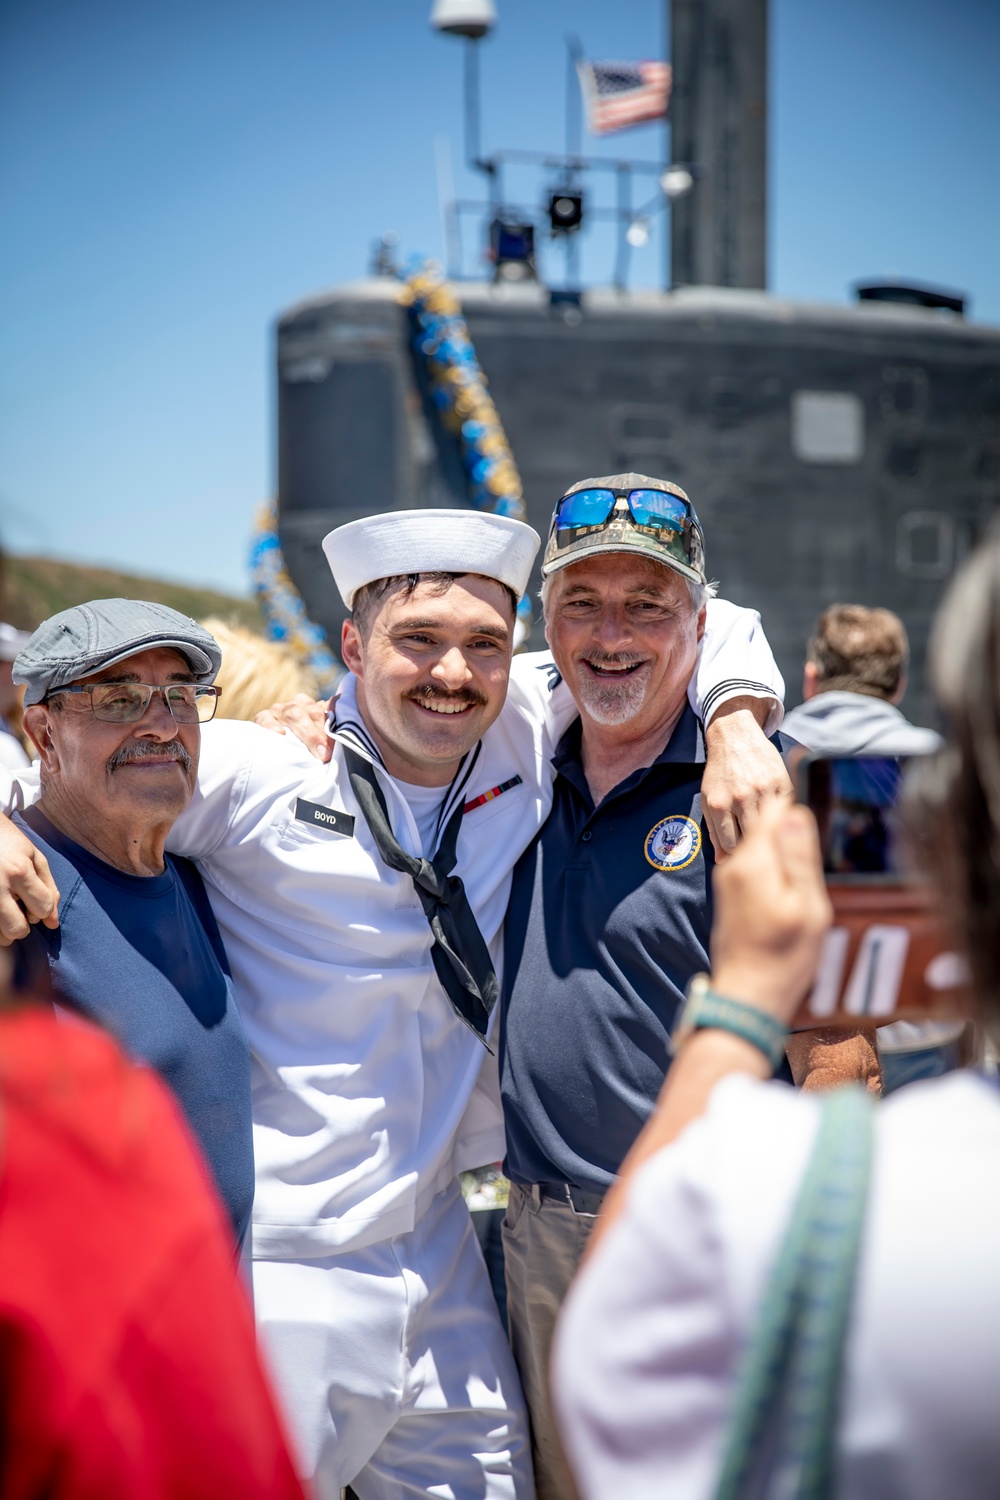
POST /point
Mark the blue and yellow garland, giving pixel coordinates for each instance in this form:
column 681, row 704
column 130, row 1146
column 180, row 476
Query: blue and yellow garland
column 281, row 604
column 458, row 391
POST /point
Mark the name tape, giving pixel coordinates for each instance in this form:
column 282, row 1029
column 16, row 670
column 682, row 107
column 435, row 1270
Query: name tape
column 324, row 817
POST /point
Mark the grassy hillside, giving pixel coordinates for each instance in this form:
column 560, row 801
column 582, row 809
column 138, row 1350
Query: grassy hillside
column 32, row 588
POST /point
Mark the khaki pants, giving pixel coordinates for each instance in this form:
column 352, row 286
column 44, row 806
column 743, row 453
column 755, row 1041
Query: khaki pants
column 543, row 1244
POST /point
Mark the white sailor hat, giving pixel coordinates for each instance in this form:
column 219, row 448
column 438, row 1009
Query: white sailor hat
column 430, row 541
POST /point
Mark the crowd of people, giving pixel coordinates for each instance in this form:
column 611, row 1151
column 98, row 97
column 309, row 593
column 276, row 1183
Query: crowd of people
column 275, row 986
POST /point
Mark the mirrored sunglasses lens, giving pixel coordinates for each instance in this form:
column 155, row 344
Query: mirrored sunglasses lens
column 656, row 508
column 584, row 508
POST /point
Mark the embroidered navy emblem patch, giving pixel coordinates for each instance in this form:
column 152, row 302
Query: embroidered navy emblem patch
column 673, row 843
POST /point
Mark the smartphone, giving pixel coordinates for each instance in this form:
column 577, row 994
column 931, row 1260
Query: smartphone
column 855, row 802
column 887, row 956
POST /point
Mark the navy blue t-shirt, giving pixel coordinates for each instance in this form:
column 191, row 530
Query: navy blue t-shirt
column 609, row 917
column 143, row 956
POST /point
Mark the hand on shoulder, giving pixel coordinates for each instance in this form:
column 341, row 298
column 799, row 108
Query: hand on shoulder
column 303, row 717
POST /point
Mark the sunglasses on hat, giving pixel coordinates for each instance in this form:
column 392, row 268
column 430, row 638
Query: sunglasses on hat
column 658, row 509
column 666, row 521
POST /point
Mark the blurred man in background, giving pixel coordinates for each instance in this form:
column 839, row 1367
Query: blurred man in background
column 853, row 682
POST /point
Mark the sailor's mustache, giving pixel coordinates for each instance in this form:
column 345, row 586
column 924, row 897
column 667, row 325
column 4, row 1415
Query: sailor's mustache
column 431, row 694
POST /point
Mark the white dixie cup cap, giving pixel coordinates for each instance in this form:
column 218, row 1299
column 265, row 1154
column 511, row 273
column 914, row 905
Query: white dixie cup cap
column 430, row 541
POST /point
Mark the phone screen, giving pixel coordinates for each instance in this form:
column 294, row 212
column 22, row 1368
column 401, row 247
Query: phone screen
column 854, row 800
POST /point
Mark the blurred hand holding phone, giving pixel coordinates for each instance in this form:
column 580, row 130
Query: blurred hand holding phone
column 887, row 956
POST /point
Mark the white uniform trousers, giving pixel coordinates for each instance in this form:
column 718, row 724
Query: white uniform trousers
column 393, row 1368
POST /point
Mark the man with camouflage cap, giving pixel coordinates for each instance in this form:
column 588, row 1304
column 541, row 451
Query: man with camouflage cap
column 611, row 906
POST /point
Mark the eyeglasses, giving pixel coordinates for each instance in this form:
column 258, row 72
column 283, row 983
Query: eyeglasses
column 658, row 510
column 127, row 702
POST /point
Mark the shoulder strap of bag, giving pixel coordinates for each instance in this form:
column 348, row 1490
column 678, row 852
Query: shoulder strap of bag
column 783, row 1428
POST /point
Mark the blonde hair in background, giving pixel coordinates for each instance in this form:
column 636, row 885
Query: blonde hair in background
column 256, row 672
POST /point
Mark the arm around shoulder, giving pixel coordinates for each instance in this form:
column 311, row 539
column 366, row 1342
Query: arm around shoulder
column 738, row 693
column 225, row 764
column 28, row 892
column 242, row 768
column 736, row 661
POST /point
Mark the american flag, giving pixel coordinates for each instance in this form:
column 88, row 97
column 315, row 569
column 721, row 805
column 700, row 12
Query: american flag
column 620, row 94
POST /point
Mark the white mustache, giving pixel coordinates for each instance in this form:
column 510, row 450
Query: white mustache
column 145, row 750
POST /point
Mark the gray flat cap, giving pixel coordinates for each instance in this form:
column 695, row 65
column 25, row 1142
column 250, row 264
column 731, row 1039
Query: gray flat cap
column 89, row 637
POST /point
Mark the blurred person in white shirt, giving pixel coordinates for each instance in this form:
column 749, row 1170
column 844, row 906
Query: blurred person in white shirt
column 650, row 1350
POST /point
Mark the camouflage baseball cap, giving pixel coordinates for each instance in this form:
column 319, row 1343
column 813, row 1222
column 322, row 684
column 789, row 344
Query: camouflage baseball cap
column 627, row 513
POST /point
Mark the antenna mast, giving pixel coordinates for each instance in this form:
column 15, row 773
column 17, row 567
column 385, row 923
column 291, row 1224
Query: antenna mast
column 718, row 111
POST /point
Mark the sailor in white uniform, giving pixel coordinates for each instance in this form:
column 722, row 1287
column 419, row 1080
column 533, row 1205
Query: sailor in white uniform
column 365, row 974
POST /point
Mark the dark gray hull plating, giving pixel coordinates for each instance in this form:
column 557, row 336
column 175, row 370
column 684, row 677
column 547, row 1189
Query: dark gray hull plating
column 832, row 453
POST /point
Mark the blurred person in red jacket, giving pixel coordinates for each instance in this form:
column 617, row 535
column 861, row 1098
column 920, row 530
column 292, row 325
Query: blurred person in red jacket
column 128, row 1364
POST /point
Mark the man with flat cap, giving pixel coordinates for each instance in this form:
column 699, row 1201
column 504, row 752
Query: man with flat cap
column 116, row 692
column 361, row 902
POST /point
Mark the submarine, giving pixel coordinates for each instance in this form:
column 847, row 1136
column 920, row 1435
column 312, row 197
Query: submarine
column 834, row 453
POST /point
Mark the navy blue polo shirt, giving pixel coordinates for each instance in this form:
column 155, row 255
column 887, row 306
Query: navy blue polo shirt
column 142, row 955
column 609, row 917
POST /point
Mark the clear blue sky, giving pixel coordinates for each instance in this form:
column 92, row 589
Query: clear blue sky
column 173, row 173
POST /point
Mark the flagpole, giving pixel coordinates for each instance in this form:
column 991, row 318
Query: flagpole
column 624, row 197
column 574, row 146
column 472, row 155
column 574, row 53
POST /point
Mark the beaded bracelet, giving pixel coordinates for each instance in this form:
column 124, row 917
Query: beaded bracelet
column 705, row 1008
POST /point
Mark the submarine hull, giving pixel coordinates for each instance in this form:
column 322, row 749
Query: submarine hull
column 845, row 454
